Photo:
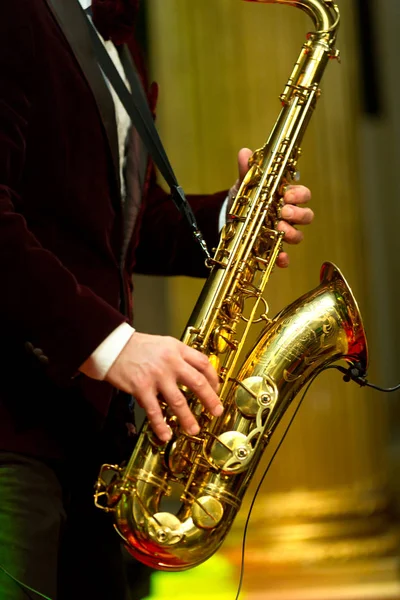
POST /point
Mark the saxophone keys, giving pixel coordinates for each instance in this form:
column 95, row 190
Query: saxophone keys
column 335, row 55
column 165, row 529
column 221, row 341
column 231, row 451
column 207, row 512
column 215, row 362
column 257, row 157
column 233, row 306
column 254, row 394
column 178, row 457
column 228, row 231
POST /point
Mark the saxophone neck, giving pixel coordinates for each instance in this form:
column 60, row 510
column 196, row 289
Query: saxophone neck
column 324, row 13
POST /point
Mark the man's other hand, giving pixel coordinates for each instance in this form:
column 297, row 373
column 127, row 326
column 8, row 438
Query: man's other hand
column 153, row 365
column 293, row 213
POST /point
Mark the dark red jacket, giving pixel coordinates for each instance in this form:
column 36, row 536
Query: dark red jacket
column 61, row 227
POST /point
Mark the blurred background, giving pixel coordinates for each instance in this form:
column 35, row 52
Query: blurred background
column 326, row 522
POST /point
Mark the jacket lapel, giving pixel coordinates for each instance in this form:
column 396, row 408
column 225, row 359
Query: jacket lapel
column 72, row 21
column 135, row 166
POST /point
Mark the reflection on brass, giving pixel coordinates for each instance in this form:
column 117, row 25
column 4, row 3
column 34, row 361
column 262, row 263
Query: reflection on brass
column 252, row 394
column 164, row 529
column 215, row 467
column 207, row 512
column 230, row 448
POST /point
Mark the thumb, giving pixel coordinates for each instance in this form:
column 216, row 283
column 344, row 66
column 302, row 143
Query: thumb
column 243, row 162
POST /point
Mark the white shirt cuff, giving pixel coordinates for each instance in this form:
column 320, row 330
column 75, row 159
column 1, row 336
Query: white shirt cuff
column 222, row 214
column 101, row 360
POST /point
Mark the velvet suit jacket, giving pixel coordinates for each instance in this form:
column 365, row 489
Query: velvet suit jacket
column 62, row 228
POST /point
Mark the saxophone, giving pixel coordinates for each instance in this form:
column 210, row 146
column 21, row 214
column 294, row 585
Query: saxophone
column 212, row 470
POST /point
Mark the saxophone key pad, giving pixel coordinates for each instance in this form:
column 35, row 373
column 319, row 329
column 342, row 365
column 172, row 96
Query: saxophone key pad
column 165, row 528
column 207, row 512
column 252, row 395
column 231, row 450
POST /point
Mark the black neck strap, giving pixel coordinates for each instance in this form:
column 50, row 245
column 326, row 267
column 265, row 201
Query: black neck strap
column 136, row 105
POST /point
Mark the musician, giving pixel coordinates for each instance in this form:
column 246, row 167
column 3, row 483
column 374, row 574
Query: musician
column 78, row 215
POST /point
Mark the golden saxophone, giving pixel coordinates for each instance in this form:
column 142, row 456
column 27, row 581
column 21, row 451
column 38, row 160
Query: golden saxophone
column 212, row 470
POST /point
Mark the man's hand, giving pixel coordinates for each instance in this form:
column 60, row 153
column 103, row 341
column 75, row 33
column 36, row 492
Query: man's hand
column 150, row 365
column 292, row 213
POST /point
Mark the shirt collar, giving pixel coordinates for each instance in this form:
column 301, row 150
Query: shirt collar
column 85, row 3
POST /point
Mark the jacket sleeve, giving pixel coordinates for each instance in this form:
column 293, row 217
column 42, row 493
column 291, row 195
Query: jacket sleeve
column 41, row 302
column 166, row 244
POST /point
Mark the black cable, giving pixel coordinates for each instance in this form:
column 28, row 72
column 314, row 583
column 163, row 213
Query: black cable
column 24, row 587
column 355, row 373
column 135, row 103
column 262, row 481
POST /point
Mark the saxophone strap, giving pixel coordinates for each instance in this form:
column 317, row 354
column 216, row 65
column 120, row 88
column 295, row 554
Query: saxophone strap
column 136, row 105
